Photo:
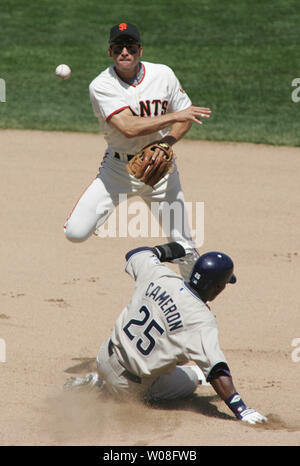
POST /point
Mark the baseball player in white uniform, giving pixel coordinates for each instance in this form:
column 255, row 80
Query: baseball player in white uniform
column 167, row 324
column 136, row 103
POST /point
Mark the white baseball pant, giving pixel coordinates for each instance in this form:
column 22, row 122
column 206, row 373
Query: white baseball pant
column 102, row 196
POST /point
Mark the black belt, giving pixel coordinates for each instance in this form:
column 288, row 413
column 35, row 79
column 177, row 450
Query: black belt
column 129, row 157
column 129, row 376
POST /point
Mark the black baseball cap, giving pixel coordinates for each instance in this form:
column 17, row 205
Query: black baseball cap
column 123, row 30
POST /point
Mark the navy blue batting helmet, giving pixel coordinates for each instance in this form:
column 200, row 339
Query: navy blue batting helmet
column 210, row 269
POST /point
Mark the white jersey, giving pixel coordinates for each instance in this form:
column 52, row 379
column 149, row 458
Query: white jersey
column 165, row 324
column 158, row 92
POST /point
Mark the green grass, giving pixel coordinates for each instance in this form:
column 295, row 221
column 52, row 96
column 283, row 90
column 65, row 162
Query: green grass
column 238, row 57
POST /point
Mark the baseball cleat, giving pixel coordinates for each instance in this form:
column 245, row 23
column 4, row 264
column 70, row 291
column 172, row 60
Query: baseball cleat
column 90, row 380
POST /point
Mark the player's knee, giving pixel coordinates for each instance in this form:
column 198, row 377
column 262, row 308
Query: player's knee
column 189, row 384
column 181, row 383
column 193, row 382
column 76, row 235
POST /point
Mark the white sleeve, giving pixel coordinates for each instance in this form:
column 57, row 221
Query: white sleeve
column 179, row 99
column 105, row 99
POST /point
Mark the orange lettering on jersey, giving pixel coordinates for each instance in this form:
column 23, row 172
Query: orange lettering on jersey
column 122, row 26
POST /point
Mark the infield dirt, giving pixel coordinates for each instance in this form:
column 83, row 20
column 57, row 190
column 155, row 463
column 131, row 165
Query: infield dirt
column 59, row 300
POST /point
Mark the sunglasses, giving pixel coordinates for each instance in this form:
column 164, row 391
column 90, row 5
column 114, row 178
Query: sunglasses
column 131, row 48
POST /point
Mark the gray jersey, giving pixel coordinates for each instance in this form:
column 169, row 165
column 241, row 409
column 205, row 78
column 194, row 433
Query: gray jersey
column 165, row 324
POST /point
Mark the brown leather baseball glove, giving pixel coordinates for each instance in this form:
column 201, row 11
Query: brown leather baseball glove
column 142, row 167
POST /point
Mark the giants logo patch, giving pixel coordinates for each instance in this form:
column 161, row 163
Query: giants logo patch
column 153, row 108
column 122, row 26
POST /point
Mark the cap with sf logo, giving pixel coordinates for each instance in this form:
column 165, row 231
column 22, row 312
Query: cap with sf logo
column 123, row 30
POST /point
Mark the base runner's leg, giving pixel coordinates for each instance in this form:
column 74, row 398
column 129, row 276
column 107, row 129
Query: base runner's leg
column 89, row 381
column 180, row 383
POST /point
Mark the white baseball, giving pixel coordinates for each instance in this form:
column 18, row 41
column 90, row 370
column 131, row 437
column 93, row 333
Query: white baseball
column 63, row 71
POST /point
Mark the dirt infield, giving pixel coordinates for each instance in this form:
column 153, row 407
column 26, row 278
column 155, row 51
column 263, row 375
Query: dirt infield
column 60, row 300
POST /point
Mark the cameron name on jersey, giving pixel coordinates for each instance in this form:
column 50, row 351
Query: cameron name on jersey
column 166, row 304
